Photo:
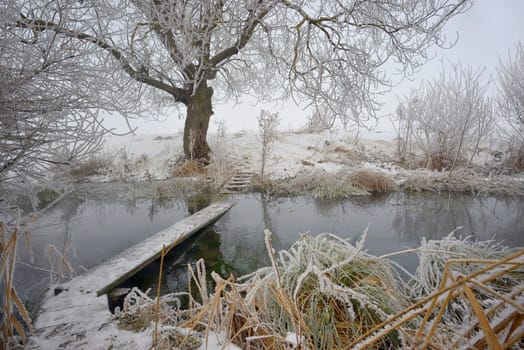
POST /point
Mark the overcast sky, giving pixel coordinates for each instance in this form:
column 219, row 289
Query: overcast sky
column 485, row 33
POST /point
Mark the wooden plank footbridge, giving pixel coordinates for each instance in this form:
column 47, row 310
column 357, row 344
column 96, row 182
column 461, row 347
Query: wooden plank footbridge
column 72, row 311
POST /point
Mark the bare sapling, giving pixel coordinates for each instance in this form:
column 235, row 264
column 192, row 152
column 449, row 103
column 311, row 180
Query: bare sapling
column 267, row 126
column 404, row 131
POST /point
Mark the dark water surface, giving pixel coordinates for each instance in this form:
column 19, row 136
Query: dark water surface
column 91, row 231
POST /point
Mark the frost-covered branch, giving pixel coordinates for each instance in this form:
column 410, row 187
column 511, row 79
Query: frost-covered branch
column 511, row 88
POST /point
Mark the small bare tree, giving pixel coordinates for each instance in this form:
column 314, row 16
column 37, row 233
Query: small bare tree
column 511, row 105
column 267, row 125
column 446, row 118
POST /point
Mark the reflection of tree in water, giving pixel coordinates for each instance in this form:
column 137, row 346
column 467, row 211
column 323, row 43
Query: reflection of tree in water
column 158, row 194
column 35, row 278
column 243, row 231
column 198, row 202
column 267, row 202
column 433, row 216
column 70, row 212
column 327, row 207
column 430, row 216
column 205, row 245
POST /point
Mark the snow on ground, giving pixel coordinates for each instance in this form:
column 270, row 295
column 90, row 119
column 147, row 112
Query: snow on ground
column 147, row 157
column 83, row 321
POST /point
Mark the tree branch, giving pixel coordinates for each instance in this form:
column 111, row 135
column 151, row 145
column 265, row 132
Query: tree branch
column 247, row 32
column 180, row 95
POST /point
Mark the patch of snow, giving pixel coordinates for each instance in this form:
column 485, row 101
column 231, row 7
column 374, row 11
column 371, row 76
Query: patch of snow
column 216, row 341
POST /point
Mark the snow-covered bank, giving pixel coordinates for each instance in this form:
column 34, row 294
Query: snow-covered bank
column 294, row 154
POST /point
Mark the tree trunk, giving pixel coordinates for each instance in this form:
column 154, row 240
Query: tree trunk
column 199, row 111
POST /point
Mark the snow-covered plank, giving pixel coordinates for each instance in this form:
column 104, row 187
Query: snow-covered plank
column 107, row 275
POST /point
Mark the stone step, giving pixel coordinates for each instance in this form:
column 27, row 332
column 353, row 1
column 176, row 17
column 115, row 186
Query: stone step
column 231, row 187
column 239, row 182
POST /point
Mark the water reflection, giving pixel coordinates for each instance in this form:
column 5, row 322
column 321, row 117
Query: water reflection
column 235, row 244
column 87, row 231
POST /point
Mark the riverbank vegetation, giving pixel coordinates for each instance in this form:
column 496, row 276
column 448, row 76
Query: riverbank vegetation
column 328, row 293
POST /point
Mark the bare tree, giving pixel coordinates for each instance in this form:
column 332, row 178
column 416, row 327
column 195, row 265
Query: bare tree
column 511, row 106
column 328, row 52
column 447, row 118
column 50, row 97
column 511, row 88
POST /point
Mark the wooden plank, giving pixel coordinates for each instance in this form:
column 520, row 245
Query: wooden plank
column 108, row 275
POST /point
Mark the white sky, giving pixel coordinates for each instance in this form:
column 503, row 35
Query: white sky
column 486, row 32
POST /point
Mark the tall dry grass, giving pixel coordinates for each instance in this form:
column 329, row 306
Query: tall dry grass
column 319, row 294
column 325, row 185
column 372, row 181
column 15, row 320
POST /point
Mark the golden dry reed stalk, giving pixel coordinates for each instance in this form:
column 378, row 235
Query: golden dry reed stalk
column 454, row 286
column 157, row 309
column 11, row 303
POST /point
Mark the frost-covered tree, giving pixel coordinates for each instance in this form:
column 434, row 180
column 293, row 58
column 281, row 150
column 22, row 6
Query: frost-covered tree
column 50, row 97
column 511, row 87
column 447, row 118
column 48, row 118
column 511, row 105
column 192, row 52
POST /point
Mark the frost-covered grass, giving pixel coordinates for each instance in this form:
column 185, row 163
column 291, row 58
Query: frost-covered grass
column 325, row 185
column 328, row 293
column 463, row 181
column 319, row 163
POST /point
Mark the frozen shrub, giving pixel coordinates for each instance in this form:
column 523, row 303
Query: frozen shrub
column 93, row 166
column 446, row 119
column 319, row 121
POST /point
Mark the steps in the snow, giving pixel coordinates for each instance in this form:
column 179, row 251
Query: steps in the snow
column 239, row 182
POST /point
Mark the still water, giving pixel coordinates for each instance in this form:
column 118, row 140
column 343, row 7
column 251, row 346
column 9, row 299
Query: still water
column 91, row 231
column 235, row 244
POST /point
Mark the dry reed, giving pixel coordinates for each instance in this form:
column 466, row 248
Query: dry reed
column 15, row 320
column 323, row 290
column 189, row 168
column 372, row 181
